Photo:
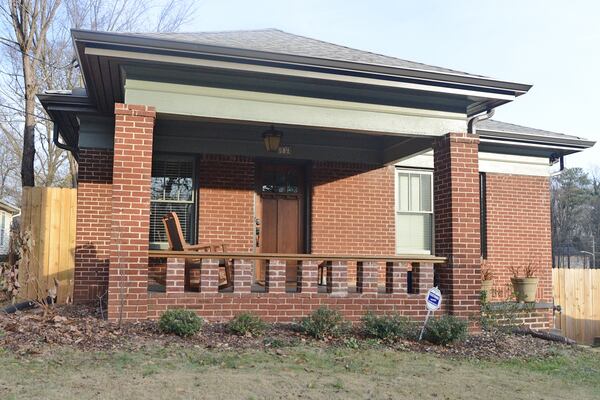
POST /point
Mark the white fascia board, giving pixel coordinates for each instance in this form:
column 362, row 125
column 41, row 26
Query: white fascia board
column 228, row 65
column 513, row 164
column 270, row 108
column 490, row 162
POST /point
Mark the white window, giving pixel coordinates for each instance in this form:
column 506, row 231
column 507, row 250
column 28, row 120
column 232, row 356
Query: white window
column 414, row 212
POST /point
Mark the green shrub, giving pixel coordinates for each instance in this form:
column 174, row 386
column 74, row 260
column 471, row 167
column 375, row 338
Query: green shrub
column 388, row 327
column 324, row 322
column 180, row 322
column 445, row 330
column 246, row 324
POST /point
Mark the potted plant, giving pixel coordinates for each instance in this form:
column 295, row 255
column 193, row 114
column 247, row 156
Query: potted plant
column 525, row 284
column 487, row 277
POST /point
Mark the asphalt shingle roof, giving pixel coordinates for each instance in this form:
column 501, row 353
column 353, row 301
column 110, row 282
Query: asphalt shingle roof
column 277, row 41
column 504, row 127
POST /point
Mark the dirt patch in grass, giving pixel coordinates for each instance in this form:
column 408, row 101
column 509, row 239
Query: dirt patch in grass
column 81, row 327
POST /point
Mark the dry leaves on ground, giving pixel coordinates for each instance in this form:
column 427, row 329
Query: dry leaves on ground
column 80, row 326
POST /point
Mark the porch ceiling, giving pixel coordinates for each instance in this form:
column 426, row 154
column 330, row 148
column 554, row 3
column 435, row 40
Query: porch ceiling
column 193, row 135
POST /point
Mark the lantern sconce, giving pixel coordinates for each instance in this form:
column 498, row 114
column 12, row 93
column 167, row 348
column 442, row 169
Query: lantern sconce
column 272, row 138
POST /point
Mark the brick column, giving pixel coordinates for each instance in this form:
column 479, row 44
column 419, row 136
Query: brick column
column 457, row 236
column 132, row 164
column 367, row 274
column 395, row 277
column 308, row 276
column 337, row 278
column 175, row 275
column 275, row 276
column 242, row 276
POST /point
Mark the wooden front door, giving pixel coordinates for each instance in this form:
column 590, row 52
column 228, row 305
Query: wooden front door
column 280, row 213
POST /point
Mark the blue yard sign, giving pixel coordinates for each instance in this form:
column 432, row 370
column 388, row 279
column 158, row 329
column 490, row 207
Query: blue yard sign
column 433, row 301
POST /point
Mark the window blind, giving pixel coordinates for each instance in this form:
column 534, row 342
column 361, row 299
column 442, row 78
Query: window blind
column 172, row 190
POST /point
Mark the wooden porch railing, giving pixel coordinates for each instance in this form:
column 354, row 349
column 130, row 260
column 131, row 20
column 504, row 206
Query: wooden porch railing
column 367, row 271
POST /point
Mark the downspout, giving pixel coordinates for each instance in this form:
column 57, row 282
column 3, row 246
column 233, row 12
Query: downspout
column 481, row 117
column 60, row 145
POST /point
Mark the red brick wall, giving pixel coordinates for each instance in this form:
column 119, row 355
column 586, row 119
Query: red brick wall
column 456, row 207
column 226, row 201
column 93, row 223
column 132, row 166
column 518, row 230
column 285, row 307
column 352, row 209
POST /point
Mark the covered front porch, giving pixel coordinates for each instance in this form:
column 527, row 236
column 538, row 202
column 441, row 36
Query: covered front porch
column 315, row 223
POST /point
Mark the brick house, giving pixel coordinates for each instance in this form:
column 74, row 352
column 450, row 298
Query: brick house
column 302, row 157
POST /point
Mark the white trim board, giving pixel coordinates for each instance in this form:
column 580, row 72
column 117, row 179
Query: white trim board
column 270, row 108
column 490, row 162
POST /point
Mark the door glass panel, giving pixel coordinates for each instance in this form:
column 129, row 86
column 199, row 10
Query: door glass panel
column 280, row 179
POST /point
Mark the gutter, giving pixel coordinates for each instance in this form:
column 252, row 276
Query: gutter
column 56, row 141
column 572, row 141
column 471, row 125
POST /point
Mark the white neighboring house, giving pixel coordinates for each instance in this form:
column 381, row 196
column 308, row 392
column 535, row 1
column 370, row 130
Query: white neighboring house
column 7, row 213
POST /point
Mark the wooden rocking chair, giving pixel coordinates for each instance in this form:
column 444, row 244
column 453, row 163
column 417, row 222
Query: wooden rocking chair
column 178, row 243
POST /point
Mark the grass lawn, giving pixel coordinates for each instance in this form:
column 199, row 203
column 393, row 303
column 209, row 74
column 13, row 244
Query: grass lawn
column 174, row 372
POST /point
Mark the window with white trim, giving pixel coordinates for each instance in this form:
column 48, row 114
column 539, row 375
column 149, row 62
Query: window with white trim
column 414, row 212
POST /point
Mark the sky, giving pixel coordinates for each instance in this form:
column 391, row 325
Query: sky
column 554, row 45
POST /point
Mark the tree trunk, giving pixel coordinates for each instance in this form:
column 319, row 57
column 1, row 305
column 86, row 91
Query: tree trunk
column 27, row 169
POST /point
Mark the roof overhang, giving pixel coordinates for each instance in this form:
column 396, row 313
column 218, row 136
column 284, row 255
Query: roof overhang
column 9, row 208
column 498, row 142
column 103, row 55
column 63, row 109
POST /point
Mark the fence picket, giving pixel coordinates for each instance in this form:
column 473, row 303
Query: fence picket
column 49, row 214
column 577, row 291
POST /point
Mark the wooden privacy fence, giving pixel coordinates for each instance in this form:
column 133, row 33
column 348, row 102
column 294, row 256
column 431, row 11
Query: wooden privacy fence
column 577, row 291
column 49, row 216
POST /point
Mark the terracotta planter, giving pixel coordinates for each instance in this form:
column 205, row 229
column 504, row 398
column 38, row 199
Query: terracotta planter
column 486, row 286
column 525, row 289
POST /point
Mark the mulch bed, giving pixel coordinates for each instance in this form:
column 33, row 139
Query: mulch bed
column 79, row 326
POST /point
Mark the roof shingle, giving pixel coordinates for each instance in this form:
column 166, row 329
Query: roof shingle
column 278, row 41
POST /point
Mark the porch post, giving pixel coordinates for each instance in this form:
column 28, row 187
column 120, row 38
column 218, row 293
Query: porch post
column 395, row 277
column 457, row 236
column 128, row 272
column 367, row 277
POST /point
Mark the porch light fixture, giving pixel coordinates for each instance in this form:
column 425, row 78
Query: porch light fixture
column 272, row 138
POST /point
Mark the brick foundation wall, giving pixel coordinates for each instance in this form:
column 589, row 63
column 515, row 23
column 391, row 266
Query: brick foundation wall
column 513, row 315
column 285, row 307
column 92, row 250
column 518, row 230
column 226, row 201
column 456, row 207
